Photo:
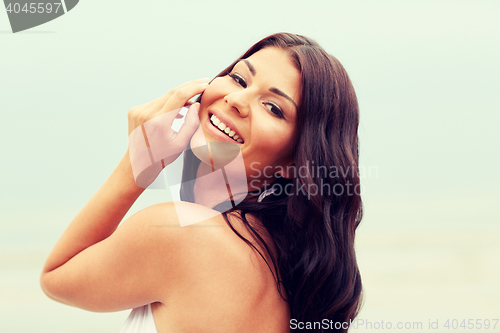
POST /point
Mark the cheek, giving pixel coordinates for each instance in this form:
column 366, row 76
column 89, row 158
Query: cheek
column 276, row 139
column 275, row 145
column 206, row 99
column 213, row 92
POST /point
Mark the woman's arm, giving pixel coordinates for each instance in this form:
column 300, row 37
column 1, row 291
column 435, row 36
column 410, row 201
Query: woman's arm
column 99, row 218
column 86, row 238
column 147, row 259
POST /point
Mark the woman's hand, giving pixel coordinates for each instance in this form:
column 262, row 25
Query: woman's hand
column 153, row 144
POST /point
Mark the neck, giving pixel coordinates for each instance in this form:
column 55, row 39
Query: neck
column 224, row 184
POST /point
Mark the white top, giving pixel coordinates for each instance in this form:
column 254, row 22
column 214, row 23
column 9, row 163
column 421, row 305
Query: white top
column 140, row 320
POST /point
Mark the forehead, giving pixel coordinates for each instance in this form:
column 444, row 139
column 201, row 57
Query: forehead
column 275, row 68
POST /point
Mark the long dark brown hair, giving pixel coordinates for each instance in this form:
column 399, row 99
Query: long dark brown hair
column 312, row 231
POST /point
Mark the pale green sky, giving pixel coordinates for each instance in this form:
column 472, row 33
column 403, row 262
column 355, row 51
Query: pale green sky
column 426, row 74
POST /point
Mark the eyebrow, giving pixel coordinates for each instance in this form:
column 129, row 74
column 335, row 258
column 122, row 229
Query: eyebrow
column 250, row 67
column 272, row 89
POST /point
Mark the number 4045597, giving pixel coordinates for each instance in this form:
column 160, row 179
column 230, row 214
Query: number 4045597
column 33, row 8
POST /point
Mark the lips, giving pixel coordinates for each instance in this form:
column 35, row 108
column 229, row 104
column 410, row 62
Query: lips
column 225, row 127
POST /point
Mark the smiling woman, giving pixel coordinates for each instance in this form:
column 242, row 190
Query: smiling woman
column 248, row 101
column 254, row 265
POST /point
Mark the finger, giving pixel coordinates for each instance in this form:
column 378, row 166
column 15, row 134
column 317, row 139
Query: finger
column 182, row 96
column 163, row 99
column 204, row 80
column 167, row 118
column 190, row 125
column 187, row 105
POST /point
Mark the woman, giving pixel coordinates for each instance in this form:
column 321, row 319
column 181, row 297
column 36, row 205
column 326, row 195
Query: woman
column 279, row 259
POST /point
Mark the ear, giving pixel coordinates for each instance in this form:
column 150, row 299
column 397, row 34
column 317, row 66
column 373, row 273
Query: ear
column 288, row 171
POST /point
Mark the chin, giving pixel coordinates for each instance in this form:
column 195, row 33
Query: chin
column 197, row 143
column 198, row 139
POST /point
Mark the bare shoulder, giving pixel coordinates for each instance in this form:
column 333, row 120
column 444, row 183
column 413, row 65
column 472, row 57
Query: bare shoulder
column 202, row 246
column 220, row 277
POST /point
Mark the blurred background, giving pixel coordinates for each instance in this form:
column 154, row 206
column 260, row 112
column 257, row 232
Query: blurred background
column 427, row 77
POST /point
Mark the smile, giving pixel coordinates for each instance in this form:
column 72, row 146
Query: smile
column 224, row 128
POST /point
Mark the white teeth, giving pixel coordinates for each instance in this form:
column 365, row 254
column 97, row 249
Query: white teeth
column 220, row 125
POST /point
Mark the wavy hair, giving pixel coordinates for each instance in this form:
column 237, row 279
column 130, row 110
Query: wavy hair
column 313, row 233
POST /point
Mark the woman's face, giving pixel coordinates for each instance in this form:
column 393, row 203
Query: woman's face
column 258, row 101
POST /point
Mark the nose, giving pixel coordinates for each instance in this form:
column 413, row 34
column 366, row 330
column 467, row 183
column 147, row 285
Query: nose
column 238, row 101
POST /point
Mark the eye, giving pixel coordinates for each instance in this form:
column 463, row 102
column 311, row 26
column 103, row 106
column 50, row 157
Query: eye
column 275, row 109
column 238, row 79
